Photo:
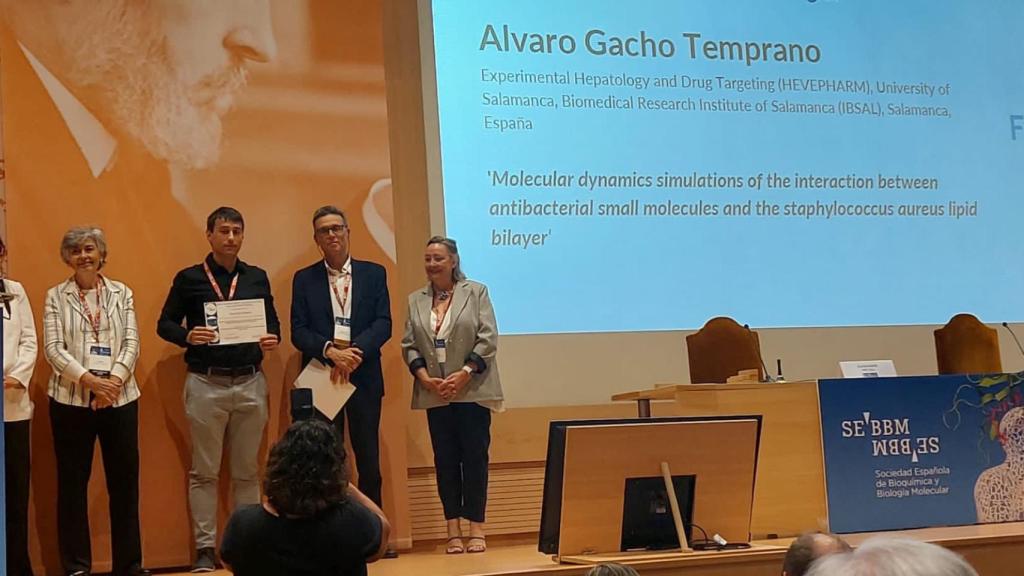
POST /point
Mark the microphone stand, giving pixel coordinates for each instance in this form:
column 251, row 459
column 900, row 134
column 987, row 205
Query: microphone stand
column 753, row 341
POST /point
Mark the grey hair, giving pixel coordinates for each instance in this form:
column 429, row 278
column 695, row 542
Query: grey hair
column 612, row 570
column 77, row 236
column 887, row 556
column 453, row 249
column 327, row 211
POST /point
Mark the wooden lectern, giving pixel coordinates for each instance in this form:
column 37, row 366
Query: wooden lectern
column 789, row 496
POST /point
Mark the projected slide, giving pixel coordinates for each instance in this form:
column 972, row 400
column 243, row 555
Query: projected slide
column 628, row 166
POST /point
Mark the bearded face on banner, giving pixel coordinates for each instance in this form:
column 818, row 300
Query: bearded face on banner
column 160, row 72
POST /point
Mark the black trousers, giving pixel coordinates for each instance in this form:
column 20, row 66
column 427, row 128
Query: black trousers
column 16, row 476
column 461, row 436
column 363, row 413
column 75, row 431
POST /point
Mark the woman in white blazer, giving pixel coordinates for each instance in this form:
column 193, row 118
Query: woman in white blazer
column 91, row 340
column 451, row 345
column 20, row 351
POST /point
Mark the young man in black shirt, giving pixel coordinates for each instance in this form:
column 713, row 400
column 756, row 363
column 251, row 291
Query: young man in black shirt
column 225, row 390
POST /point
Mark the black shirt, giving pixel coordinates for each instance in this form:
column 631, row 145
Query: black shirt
column 335, row 542
column 191, row 289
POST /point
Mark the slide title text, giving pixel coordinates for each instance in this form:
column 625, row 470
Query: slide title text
column 597, row 42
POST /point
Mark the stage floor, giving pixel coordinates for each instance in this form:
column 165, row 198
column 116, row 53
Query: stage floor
column 501, row 557
column 994, row 550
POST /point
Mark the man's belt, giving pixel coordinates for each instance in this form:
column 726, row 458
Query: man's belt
column 232, row 372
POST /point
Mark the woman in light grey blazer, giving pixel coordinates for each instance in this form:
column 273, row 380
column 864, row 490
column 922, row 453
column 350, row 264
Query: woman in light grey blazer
column 91, row 341
column 450, row 345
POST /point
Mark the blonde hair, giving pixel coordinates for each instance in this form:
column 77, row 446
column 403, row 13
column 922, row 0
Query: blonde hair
column 612, row 570
column 453, row 249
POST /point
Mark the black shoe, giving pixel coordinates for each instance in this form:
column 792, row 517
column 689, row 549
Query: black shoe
column 206, row 561
column 390, row 553
column 141, row 572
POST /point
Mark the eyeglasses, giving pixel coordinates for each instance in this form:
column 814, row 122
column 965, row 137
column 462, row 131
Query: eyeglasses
column 336, row 229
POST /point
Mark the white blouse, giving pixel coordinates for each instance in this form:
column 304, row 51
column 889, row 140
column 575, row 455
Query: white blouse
column 20, row 350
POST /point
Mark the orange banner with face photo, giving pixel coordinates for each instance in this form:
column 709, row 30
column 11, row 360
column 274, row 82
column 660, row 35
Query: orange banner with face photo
column 140, row 118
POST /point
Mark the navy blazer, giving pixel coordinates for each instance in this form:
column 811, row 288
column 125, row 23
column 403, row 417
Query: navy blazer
column 313, row 318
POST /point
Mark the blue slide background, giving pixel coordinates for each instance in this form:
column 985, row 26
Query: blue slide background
column 599, row 274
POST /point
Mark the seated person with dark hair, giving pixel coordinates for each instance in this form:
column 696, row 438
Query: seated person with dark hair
column 312, row 520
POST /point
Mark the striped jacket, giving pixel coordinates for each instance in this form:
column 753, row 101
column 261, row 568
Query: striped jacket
column 67, row 331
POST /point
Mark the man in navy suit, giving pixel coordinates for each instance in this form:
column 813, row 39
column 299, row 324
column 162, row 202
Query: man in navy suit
column 341, row 315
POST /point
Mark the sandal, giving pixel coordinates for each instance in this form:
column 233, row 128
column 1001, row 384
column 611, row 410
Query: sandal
column 454, row 545
column 477, row 544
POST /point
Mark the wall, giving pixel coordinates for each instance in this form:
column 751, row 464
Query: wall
column 309, row 129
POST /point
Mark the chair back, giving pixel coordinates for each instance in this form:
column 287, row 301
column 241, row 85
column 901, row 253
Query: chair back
column 966, row 346
column 721, row 349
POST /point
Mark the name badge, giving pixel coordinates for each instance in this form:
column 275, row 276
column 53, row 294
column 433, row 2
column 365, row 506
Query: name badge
column 342, row 329
column 212, row 322
column 99, row 359
column 439, row 350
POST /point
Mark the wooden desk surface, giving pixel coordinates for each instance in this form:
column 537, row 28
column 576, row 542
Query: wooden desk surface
column 993, row 550
column 669, row 391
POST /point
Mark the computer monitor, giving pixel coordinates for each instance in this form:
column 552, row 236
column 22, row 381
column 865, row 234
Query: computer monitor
column 719, row 452
column 647, row 521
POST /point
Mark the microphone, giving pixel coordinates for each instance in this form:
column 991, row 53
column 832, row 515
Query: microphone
column 1010, row 330
column 764, row 368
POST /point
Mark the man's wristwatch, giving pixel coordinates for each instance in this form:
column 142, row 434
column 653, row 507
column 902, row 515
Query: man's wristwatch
column 468, row 370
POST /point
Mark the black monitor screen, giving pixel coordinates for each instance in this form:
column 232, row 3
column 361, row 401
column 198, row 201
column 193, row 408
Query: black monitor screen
column 647, row 522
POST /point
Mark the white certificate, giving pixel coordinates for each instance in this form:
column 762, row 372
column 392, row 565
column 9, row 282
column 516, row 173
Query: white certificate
column 237, row 321
column 328, row 397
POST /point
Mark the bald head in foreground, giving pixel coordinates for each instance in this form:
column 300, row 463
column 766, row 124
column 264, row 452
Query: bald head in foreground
column 808, row 548
column 883, row 556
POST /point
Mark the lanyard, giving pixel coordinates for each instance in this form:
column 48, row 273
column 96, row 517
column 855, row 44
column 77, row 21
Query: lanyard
column 94, row 321
column 216, row 288
column 342, row 300
column 440, row 318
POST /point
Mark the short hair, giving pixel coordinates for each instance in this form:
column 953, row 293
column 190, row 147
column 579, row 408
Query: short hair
column 808, row 548
column 225, row 213
column 887, row 556
column 327, row 210
column 612, row 570
column 453, row 249
column 79, row 235
column 306, row 470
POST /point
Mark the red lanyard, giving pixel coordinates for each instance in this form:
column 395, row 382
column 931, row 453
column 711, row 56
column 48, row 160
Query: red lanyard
column 216, row 288
column 334, row 288
column 94, row 321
